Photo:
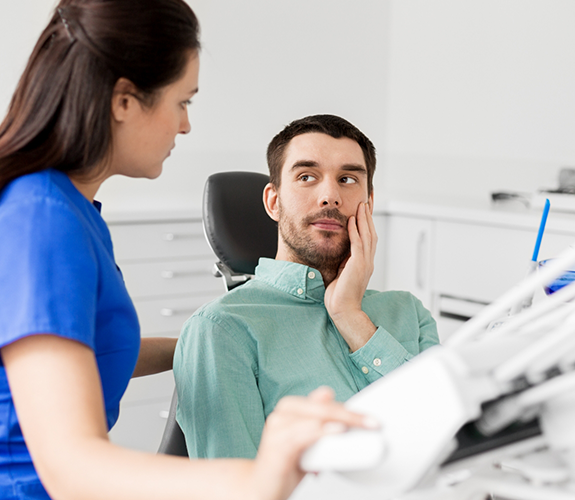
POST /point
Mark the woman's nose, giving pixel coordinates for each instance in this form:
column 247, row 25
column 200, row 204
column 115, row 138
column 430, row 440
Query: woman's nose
column 185, row 126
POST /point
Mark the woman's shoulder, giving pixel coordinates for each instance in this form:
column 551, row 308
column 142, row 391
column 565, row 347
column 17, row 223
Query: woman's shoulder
column 42, row 216
column 47, row 200
column 46, row 186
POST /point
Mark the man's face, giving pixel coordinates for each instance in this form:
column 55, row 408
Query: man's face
column 323, row 181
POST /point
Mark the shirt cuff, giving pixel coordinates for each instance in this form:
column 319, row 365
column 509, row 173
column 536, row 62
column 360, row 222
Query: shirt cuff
column 380, row 355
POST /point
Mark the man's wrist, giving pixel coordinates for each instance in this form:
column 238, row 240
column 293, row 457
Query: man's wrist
column 355, row 327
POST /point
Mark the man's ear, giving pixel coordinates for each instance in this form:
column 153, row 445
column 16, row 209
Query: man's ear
column 370, row 203
column 271, row 201
column 124, row 99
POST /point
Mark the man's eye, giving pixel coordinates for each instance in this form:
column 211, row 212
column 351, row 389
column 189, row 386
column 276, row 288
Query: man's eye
column 307, row 178
column 348, row 180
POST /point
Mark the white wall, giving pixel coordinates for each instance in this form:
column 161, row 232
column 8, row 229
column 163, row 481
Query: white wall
column 459, row 97
column 20, row 25
column 481, row 95
column 263, row 64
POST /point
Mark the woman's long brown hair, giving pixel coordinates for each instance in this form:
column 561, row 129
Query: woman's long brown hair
column 59, row 116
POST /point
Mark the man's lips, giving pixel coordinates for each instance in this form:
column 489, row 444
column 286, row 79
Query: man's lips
column 327, row 225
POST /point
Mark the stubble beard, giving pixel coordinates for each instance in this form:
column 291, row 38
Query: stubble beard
column 325, row 254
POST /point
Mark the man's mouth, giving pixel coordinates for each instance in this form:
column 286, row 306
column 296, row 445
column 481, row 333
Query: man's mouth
column 327, row 225
column 330, row 219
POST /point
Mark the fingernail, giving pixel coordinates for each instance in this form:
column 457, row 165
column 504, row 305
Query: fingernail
column 371, row 423
column 334, row 428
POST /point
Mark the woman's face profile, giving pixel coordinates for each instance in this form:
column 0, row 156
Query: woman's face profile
column 143, row 137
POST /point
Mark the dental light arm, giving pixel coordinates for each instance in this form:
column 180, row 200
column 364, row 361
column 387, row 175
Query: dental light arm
column 480, row 382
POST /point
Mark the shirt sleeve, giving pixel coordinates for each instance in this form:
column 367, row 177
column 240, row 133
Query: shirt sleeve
column 384, row 353
column 380, row 355
column 428, row 336
column 48, row 273
column 219, row 409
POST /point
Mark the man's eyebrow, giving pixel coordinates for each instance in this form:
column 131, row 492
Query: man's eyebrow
column 354, row 167
column 348, row 167
column 304, row 164
column 195, row 91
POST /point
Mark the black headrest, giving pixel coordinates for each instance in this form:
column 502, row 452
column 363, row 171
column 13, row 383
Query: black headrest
column 236, row 224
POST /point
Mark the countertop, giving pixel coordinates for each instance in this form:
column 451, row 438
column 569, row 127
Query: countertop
column 115, row 217
column 512, row 214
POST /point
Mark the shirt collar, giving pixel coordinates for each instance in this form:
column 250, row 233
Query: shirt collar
column 301, row 281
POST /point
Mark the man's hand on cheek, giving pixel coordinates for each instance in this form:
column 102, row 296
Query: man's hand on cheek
column 344, row 294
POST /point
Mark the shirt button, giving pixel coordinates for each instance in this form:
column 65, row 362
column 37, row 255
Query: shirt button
column 299, row 291
column 377, row 362
column 365, row 369
column 311, row 275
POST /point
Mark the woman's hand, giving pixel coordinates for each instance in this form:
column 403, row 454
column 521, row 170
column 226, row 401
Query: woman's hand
column 294, row 425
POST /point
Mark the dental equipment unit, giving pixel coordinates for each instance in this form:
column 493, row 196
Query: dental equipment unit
column 490, row 412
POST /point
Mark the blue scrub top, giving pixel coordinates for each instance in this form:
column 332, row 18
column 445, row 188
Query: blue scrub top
column 58, row 276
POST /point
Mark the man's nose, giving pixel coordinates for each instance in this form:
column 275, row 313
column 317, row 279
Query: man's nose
column 330, row 195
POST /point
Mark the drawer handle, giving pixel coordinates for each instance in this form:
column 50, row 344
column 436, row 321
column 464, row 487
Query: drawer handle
column 168, row 312
column 179, row 236
column 420, row 264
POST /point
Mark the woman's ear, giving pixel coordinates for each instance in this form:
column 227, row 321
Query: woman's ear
column 271, row 202
column 124, row 99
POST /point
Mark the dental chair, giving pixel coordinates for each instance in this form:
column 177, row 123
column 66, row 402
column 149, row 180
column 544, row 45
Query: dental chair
column 236, row 225
column 239, row 231
column 173, row 441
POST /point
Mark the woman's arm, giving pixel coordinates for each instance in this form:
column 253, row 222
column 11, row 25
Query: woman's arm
column 156, row 355
column 56, row 389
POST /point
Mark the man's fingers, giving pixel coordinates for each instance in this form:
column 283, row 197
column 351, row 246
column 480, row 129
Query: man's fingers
column 353, row 231
column 366, row 230
column 372, row 230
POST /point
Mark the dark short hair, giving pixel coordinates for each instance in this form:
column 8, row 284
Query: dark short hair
column 331, row 125
column 60, row 114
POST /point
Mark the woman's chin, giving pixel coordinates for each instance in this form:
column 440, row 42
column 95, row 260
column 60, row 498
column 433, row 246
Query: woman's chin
column 153, row 173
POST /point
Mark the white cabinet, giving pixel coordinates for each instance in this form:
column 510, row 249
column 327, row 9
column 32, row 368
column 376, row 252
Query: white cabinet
column 167, row 269
column 409, row 245
column 457, row 262
column 481, row 262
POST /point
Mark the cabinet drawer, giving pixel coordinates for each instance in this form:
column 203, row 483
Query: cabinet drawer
column 177, row 277
column 162, row 240
column 166, row 316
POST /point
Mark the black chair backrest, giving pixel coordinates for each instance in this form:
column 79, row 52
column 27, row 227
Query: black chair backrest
column 236, row 224
column 173, row 441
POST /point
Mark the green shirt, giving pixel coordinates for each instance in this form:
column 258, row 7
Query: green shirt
column 272, row 337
